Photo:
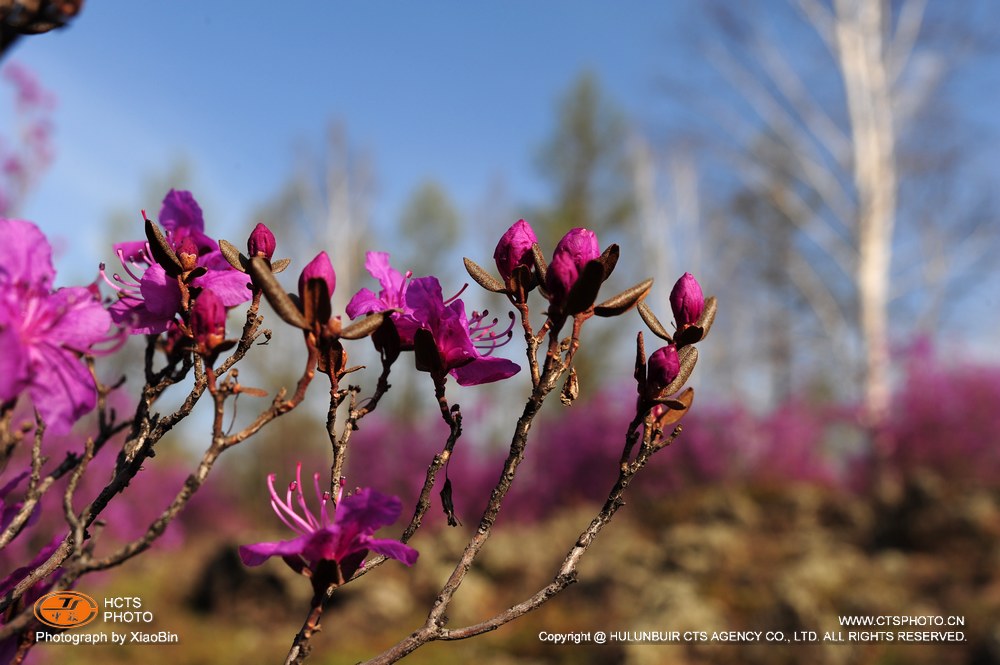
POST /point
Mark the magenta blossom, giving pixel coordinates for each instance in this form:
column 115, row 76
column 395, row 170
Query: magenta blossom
column 261, row 242
column 43, row 333
column 149, row 299
column 514, row 249
column 574, row 251
column 391, row 296
column 663, row 367
column 343, row 537
column 686, row 301
column 458, row 341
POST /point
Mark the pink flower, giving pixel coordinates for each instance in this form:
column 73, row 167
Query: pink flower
column 343, row 537
column 514, row 249
column 261, row 242
column 43, row 333
column 457, row 341
column 208, row 322
column 391, row 296
column 574, row 251
column 663, row 367
column 149, row 299
column 686, row 301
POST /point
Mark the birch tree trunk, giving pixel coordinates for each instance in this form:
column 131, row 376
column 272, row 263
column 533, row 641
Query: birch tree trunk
column 860, row 26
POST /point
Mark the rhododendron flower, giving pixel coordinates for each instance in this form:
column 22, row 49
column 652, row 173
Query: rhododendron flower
column 574, row 251
column 261, row 242
column 514, row 249
column 343, row 536
column 151, row 301
column 208, row 322
column 43, row 333
column 686, row 301
column 391, row 296
column 458, row 341
column 663, row 367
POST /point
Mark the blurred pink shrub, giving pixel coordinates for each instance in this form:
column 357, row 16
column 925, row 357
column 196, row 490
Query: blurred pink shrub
column 945, row 418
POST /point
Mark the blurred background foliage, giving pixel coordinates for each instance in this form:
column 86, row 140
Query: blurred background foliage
column 824, row 178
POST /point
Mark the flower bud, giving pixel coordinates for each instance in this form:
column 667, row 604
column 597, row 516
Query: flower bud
column 663, row 367
column 687, row 301
column 187, row 252
column 208, row 322
column 261, row 242
column 514, row 249
column 573, row 252
column 319, row 268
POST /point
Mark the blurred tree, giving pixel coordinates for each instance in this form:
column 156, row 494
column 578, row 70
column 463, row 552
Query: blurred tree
column 586, row 162
column 431, row 226
column 323, row 206
column 830, row 112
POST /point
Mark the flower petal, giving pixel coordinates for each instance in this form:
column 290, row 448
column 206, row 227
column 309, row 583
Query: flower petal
column 423, row 296
column 14, row 369
column 81, row 321
column 25, row 255
column 160, row 292
column 230, row 285
column 181, row 211
column 377, row 265
column 258, row 553
column 485, row 369
column 363, row 303
column 364, row 512
column 62, row 388
column 393, row 549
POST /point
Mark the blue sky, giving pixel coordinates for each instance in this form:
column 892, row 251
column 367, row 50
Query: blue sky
column 463, row 93
column 460, row 92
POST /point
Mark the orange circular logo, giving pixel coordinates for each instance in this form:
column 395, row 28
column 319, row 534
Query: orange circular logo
column 66, row 609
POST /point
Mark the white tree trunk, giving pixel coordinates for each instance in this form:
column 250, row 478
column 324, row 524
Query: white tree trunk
column 859, row 31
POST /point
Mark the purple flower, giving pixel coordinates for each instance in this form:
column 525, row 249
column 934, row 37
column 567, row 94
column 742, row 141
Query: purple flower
column 514, row 249
column 261, row 242
column 344, row 537
column 321, row 269
column 149, row 299
column 457, row 341
column 574, row 251
column 687, row 301
column 391, row 296
column 662, row 368
column 42, row 332
column 208, row 322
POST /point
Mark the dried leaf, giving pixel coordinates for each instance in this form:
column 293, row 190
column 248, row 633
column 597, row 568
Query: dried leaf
column 688, row 356
column 426, row 353
column 624, row 301
column 640, row 362
column 279, row 265
column 483, row 278
column 364, row 327
column 233, row 255
column 584, row 292
column 654, row 323
column 571, row 389
column 448, row 504
column 676, row 410
column 280, row 301
column 609, row 259
column 707, row 317
column 162, row 251
column 540, row 265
